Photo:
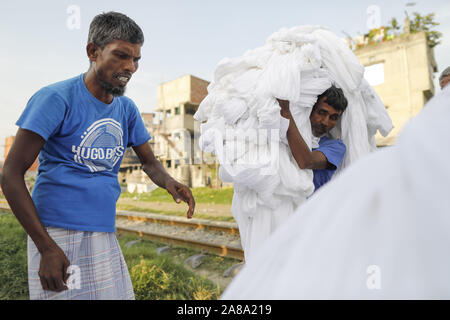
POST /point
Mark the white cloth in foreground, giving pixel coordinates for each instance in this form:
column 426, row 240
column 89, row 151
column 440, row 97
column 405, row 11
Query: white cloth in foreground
column 381, row 230
column 242, row 125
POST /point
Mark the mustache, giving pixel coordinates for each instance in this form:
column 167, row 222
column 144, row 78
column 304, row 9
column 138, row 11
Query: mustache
column 320, row 128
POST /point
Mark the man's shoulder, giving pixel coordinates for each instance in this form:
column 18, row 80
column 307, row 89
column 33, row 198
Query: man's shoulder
column 62, row 88
column 330, row 141
column 64, row 84
column 128, row 105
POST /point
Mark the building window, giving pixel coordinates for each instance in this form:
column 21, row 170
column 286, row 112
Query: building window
column 190, row 108
column 177, row 110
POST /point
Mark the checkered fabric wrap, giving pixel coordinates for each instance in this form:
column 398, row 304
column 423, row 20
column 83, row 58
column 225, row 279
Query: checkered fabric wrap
column 104, row 273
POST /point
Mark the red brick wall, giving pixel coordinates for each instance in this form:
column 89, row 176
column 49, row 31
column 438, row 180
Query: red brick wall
column 198, row 89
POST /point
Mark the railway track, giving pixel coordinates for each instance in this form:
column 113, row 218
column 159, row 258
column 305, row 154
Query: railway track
column 216, row 237
column 220, row 238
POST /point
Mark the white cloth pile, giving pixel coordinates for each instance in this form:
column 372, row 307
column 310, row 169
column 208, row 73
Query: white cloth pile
column 378, row 231
column 243, row 127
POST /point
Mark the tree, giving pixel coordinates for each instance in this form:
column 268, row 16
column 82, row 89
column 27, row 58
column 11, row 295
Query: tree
column 426, row 23
column 393, row 25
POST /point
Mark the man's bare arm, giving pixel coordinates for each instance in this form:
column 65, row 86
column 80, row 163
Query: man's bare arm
column 24, row 151
column 156, row 172
column 305, row 158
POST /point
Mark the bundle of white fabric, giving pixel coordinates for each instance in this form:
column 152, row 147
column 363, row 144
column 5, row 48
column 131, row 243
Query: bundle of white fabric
column 243, row 127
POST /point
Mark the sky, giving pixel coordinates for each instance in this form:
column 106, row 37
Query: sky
column 43, row 42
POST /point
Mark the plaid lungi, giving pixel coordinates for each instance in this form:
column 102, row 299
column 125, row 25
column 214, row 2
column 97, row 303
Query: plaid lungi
column 96, row 260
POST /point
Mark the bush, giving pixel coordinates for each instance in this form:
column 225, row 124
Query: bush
column 163, row 280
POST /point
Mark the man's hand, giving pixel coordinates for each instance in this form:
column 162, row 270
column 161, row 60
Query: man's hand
column 181, row 192
column 156, row 172
column 53, row 270
column 285, row 111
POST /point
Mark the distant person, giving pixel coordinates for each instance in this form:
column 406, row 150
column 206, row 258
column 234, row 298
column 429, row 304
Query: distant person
column 444, row 78
column 80, row 128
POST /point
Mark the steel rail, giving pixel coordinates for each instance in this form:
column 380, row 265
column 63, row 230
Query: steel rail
column 227, row 227
column 220, row 250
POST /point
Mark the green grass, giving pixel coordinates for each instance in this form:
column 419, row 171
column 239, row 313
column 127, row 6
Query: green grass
column 201, row 195
column 129, row 207
column 153, row 276
column 13, row 259
column 161, row 277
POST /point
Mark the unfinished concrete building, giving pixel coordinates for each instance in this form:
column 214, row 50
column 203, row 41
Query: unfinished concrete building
column 174, row 136
column 401, row 72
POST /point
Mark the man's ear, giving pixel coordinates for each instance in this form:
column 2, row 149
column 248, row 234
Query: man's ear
column 92, row 51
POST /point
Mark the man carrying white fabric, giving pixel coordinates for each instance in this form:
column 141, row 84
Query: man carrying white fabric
column 325, row 159
column 243, row 127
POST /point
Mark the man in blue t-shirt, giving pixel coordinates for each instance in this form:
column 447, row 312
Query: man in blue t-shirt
column 325, row 159
column 80, row 128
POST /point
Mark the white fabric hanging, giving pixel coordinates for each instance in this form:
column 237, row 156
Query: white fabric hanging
column 242, row 125
column 378, row 231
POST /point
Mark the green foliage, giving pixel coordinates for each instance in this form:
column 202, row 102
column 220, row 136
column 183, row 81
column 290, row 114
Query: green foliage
column 213, row 196
column 162, row 280
column 426, row 23
column 13, row 259
column 392, row 29
column 394, row 25
column 418, row 23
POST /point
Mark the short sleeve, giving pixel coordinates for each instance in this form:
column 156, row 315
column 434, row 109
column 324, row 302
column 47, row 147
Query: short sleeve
column 44, row 113
column 137, row 133
column 334, row 150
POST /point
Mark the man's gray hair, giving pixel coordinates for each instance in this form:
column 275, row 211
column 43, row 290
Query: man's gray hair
column 444, row 73
column 110, row 26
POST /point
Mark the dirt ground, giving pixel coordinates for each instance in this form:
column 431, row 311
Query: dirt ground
column 207, row 209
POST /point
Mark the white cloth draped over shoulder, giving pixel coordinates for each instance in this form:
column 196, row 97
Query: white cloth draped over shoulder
column 378, row 231
column 242, row 125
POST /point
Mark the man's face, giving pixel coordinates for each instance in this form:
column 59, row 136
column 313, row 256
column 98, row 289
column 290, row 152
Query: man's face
column 445, row 81
column 115, row 65
column 323, row 117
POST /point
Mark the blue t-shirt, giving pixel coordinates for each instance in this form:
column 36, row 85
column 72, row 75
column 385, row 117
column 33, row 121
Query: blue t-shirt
column 77, row 187
column 334, row 150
